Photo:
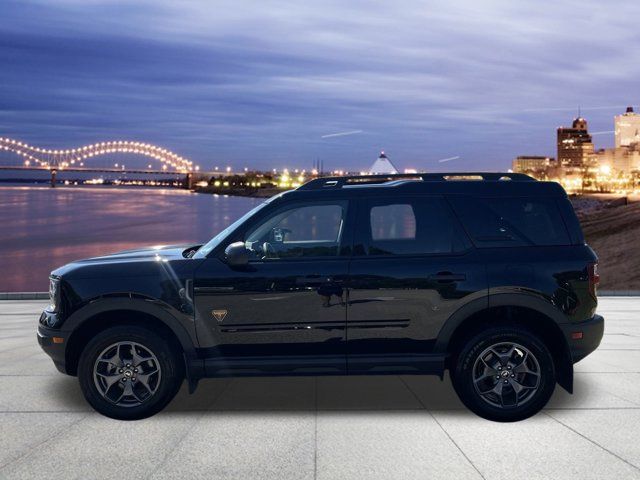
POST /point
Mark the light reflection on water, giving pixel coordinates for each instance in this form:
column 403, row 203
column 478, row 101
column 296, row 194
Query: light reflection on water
column 42, row 228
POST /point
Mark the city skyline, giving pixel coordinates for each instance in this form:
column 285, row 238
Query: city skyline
column 575, row 148
column 275, row 86
column 580, row 166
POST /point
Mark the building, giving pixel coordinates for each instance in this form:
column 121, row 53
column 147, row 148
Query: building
column 581, row 169
column 575, row 147
column 627, row 128
column 622, row 160
column 382, row 166
column 532, row 164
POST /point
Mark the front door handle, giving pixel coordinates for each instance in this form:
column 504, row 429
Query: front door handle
column 448, row 277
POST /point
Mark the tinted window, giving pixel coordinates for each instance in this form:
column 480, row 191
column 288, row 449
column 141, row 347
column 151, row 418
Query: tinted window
column 512, row 221
column 301, row 231
column 420, row 225
column 393, row 222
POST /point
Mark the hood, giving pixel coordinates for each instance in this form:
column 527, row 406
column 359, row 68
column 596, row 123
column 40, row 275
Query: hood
column 140, row 256
column 164, row 251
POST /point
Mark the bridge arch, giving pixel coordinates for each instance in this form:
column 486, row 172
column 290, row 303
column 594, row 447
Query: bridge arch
column 75, row 157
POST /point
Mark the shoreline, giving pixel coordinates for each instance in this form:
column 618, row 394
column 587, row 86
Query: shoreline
column 209, row 190
column 239, row 192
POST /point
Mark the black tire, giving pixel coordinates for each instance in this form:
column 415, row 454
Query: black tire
column 104, row 383
column 479, row 372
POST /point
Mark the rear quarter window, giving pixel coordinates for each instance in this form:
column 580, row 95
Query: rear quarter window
column 512, row 221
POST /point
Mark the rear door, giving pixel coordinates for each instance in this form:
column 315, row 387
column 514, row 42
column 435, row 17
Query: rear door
column 413, row 266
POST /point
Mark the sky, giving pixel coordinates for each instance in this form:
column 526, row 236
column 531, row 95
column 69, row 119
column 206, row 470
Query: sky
column 267, row 84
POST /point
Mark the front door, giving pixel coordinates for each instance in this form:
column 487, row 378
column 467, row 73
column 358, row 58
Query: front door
column 413, row 266
column 285, row 312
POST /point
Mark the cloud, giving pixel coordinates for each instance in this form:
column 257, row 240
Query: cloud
column 259, row 83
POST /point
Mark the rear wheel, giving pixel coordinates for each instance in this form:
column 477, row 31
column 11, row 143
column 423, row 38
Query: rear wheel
column 504, row 374
column 129, row 373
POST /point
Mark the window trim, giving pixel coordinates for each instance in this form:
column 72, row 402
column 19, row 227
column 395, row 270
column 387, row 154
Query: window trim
column 362, row 223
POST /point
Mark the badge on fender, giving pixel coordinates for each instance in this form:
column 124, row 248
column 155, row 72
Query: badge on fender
column 219, row 314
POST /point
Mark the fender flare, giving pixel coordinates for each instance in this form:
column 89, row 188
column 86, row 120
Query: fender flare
column 525, row 300
column 455, row 320
column 153, row 308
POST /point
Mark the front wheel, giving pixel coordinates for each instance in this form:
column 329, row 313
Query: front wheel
column 504, row 374
column 129, row 373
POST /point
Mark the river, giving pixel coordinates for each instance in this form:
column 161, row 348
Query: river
column 42, row 228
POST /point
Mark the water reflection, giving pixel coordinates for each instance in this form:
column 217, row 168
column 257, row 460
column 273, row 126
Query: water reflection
column 43, row 228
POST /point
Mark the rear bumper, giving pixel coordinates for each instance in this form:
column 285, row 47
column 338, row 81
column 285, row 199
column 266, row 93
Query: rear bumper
column 54, row 344
column 592, row 331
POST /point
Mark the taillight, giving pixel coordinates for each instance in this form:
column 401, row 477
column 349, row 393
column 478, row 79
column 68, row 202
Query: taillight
column 594, row 278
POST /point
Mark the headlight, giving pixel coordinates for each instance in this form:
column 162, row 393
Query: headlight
column 54, row 293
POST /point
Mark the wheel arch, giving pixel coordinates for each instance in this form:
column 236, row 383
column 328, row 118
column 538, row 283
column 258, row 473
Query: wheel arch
column 528, row 311
column 102, row 314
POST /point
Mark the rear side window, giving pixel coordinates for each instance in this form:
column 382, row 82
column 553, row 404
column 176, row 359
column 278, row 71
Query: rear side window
column 412, row 226
column 393, row 222
column 512, row 221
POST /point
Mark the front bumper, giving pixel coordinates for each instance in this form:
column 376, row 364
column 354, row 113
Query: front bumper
column 54, row 344
column 584, row 337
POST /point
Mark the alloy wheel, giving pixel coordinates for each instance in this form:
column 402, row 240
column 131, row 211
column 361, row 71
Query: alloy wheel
column 506, row 375
column 127, row 374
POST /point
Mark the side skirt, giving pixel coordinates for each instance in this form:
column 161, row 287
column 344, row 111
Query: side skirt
column 418, row 364
column 272, row 366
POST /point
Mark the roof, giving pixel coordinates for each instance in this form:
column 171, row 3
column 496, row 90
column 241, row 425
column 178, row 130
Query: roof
column 479, row 183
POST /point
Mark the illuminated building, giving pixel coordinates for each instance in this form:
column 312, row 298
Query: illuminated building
column 575, row 148
column 382, row 165
column 580, row 169
column 532, row 164
column 620, row 160
column 627, row 128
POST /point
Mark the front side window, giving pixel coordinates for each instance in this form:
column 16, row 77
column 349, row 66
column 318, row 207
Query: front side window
column 413, row 226
column 208, row 247
column 298, row 231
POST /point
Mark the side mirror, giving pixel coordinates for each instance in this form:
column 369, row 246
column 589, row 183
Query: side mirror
column 237, row 254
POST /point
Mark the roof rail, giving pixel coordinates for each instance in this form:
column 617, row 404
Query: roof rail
column 398, row 178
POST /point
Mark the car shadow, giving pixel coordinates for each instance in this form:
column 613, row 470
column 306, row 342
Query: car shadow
column 308, row 394
column 327, row 393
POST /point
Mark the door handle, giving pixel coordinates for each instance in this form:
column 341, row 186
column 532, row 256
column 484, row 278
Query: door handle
column 316, row 279
column 448, row 277
column 312, row 280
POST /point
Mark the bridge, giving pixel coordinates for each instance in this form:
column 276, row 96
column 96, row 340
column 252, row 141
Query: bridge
column 73, row 160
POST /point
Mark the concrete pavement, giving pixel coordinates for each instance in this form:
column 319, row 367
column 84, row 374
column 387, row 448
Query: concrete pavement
column 327, row 428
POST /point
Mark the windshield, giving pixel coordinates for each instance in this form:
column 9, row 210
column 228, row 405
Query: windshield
column 215, row 241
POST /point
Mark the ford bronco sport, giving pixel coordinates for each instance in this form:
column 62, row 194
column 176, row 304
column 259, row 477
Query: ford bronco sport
column 486, row 275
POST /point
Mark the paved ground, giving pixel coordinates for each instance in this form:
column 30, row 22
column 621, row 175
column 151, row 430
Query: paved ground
column 338, row 428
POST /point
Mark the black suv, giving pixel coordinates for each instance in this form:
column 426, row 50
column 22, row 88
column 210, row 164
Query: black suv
column 486, row 275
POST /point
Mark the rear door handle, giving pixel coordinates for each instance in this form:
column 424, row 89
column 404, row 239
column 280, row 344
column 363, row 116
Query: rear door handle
column 448, row 277
column 316, row 279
